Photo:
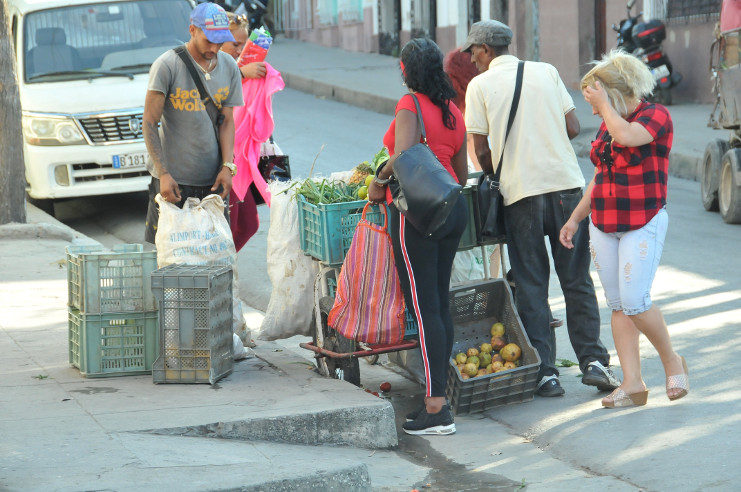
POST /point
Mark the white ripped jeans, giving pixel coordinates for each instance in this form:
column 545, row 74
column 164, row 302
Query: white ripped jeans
column 627, row 261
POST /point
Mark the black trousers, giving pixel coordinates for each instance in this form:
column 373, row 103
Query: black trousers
column 527, row 221
column 424, row 265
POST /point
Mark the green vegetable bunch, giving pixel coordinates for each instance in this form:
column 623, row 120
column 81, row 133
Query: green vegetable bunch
column 334, row 191
column 326, row 191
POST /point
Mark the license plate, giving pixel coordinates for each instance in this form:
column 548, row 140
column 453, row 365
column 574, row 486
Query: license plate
column 127, row 161
column 660, row 72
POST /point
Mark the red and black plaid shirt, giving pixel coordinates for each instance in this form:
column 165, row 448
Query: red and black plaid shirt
column 630, row 185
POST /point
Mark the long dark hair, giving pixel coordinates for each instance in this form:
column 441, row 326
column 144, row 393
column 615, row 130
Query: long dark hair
column 423, row 72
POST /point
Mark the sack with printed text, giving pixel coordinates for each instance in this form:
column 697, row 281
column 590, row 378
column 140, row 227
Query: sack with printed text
column 198, row 234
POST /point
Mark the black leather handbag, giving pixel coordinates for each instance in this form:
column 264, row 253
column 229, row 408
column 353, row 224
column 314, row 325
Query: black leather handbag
column 490, row 201
column 421, row 188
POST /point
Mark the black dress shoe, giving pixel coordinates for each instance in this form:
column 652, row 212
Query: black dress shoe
column 549, row 386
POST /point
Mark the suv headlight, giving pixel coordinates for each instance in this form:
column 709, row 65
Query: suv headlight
column 51, row 130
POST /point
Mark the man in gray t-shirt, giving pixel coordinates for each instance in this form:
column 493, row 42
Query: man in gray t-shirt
column 186, row 160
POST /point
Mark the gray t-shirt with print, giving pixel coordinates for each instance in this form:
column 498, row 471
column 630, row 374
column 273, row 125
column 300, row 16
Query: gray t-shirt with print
column 189, row 145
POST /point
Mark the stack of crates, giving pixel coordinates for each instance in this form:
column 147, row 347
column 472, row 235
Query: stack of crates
column 195, row 335
column 112, row 320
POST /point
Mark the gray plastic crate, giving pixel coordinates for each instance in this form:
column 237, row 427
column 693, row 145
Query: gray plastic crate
column 104, row 281
column 195, row 306
column 475, row 307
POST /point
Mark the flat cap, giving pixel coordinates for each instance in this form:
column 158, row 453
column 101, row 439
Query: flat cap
column 491, row 32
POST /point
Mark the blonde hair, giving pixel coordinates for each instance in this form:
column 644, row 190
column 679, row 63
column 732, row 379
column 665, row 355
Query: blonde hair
column 237, row 22
column 623, row 76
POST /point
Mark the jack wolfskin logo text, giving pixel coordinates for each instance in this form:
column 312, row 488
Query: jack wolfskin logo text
column 184, row 100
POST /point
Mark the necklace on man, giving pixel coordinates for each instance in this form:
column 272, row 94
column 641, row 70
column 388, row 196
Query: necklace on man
column 205, row 71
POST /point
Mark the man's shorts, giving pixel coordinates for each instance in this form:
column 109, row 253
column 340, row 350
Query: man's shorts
column 186, row 191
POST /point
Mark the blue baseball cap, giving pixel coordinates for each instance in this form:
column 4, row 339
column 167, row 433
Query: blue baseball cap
column 213, row 21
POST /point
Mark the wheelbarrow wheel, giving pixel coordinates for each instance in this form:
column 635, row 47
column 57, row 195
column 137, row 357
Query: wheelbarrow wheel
column 372, row 359
column 345, row 369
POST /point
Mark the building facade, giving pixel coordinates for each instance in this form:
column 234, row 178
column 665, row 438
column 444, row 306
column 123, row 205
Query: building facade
column 566, row 33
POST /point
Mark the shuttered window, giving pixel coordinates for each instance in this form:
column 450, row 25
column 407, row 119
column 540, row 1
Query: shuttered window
column 692, row 11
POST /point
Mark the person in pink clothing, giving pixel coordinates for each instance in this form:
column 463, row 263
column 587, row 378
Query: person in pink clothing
column 243, row 218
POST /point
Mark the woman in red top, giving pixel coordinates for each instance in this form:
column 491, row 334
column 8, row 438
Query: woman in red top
column 627, row 200
column 424, row 263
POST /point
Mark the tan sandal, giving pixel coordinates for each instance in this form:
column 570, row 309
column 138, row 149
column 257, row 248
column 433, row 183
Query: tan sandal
column 620, row 398
column 679, row 381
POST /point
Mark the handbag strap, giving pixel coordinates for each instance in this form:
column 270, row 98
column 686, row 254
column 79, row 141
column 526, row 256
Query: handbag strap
column 512, row 113
column 419, row 119
column 382, row 209
column 202, row 92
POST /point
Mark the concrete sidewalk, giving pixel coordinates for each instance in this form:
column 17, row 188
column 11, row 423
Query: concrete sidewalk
column 272, row 425
column 61, row 431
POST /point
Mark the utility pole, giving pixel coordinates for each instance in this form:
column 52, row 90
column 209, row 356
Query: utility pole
column 499, row 10
column 527, row 34
column 12, row 170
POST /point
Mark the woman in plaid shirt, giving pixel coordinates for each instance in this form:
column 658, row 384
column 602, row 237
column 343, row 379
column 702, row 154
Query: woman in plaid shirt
column 627, row 200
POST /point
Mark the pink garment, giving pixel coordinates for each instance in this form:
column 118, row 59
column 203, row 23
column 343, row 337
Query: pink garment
column 254, row 125
column 730, row 16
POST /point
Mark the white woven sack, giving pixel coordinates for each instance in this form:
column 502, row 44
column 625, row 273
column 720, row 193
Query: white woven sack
column 291, row 272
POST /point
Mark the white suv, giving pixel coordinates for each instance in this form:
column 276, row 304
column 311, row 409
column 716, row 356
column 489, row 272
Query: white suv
column 82, row 72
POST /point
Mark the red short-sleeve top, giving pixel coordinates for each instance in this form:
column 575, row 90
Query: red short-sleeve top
column 443, row 141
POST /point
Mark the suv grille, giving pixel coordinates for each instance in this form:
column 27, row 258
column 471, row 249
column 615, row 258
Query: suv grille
column 120, row 128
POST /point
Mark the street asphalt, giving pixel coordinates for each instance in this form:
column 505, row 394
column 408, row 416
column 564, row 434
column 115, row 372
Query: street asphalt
column 276, row 425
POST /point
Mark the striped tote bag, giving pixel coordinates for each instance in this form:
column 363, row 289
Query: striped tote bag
column 369, row 304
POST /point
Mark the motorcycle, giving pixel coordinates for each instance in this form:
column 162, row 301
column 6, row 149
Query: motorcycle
column 643, row 39
column 255, row 11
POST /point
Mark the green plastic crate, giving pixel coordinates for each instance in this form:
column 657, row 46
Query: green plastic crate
column 474, row 308
column 326, row 231
column 112, row 344
column 103, row 281
column 468, row 240
column 195, row 306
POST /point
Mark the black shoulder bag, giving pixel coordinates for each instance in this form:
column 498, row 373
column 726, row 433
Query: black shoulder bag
column 421, row 188
column 491, row 204
column 214, row 111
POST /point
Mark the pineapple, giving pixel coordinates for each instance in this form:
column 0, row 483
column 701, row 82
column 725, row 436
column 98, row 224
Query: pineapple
column 360, row 172
column 365, row 168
